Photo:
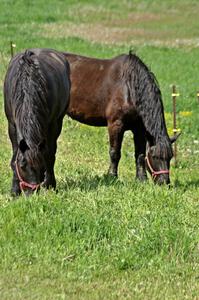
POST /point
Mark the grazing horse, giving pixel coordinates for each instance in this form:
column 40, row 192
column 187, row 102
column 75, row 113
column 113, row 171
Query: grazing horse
column 36, row 96
column 123, row 94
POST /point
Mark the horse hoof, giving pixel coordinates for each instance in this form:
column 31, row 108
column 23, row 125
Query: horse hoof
column 15, row 193
column 142, row 178
column 112, row 174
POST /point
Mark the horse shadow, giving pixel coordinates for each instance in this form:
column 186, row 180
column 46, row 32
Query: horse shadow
column 186, row 185
column 82, row 182
column 88, row 183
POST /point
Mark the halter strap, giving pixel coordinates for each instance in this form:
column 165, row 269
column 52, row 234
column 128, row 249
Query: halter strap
column 153, row 172
column 22, row 183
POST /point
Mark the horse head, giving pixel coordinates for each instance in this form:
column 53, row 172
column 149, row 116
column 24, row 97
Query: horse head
column 30, row 166
column 159, row 165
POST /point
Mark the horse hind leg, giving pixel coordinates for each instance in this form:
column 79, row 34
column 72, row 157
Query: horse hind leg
column 116, row 133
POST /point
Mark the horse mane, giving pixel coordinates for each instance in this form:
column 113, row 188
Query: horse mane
column 31, row 110
column 144, row 91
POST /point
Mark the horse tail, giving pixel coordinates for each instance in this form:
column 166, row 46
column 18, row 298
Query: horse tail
column 144, row 92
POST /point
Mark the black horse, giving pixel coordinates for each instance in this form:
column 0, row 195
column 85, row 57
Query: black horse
column 36, row 95
column 123, row 94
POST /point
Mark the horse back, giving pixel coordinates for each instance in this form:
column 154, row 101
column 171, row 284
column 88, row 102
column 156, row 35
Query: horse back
column 95, row 85
column 57, row 72
column 45, row 65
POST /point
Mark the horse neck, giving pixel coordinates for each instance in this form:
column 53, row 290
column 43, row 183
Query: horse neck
column 147, row 96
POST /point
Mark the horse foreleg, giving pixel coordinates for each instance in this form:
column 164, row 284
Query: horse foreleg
column 54, row 132
column 15, row 188
column 140, row 152
column 49, row 181
column 116, row 134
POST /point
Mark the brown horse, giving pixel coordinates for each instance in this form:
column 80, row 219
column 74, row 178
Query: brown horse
column 123, row 94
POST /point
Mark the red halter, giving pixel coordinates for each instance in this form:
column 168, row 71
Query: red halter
column 153, row 172
column 22, row 183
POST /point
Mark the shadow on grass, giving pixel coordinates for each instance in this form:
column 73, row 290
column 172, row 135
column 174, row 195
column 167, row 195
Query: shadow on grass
column 185, row 185
column 82, row 182
column 88, row 183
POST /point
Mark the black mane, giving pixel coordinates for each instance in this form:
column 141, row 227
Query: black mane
column 30, row 100
column 145, row 92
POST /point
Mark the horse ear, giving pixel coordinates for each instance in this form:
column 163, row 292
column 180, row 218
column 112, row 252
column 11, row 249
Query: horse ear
column 41, row 145
column 23, row 146
column 174, row 138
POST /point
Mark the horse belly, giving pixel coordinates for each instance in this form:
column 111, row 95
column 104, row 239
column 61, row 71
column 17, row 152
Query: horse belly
column 88, row 119
column 87, row 110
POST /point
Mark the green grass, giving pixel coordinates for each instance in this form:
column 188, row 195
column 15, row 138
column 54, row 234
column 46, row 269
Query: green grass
column 99, row 238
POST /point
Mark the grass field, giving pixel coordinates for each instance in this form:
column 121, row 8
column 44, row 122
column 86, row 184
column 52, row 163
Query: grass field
column 99, row 238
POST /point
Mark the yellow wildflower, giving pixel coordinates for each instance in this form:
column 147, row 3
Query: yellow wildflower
column 185, row 113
